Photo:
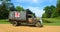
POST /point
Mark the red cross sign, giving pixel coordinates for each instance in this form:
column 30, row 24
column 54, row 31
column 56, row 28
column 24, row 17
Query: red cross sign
column 17, row 14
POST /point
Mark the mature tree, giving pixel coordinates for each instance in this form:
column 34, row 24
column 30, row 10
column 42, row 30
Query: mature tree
column 53, row 10
column 5, row 8
column 19, row 8
column 49, row 11
column 58, row 7
column 54, row 14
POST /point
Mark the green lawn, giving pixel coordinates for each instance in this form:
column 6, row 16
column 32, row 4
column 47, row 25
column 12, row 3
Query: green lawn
column 51, row 21
column 4, row 22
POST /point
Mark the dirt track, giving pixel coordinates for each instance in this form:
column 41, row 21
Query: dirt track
column 10, row 28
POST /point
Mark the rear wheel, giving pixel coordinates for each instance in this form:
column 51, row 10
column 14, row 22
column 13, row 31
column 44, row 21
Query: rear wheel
column 15, row 23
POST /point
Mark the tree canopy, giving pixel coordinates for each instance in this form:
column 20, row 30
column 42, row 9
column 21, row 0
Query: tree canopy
column 19, row 8
column 5, row 8
column 52, row 11
column 49, row 11
column 58, row 7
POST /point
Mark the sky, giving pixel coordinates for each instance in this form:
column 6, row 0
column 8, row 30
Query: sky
column 36, row 6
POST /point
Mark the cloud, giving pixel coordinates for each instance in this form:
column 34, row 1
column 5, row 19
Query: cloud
column 33, row 1
column 51, row 1
column 29, row 1
column 0, row 2
column 36, row 10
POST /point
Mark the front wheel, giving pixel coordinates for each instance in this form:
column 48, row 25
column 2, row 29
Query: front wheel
column 38, row 24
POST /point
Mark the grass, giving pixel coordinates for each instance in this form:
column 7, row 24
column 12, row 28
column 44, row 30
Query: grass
column 51, row 21
column 52, row 24
column 4, row 22
column 57, row 17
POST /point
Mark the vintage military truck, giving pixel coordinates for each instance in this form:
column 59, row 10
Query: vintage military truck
column 16, row 18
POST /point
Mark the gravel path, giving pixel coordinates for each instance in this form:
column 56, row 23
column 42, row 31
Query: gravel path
column 10, row 28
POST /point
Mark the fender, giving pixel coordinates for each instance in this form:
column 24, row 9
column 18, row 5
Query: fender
column 40, row 21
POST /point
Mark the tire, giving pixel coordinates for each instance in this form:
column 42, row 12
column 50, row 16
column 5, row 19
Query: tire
column 38, row 24
column 15, row 23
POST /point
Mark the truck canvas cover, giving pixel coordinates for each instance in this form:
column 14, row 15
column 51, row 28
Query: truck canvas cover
column 15, row 15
